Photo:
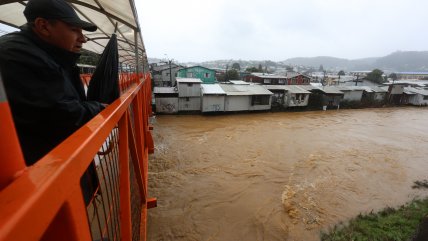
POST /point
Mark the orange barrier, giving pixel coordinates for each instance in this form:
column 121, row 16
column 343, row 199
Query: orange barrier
column 60, row 198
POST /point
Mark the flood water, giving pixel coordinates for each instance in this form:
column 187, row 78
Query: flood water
column 281, row 176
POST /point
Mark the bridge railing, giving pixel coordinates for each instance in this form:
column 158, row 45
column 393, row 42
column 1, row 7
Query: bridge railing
column 93, row 186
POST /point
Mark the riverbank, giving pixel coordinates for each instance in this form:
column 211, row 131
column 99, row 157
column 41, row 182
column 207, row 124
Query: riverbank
column 399, row 224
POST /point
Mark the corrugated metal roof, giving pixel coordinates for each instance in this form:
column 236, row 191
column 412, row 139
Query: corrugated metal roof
column 164, row 90
column 212, row 89
column 411, row 90
column 188, row 80
column 413, row 73
column 378, row 89
column 269, row 76
column 296, row 89
column 245, row 90
column 290, row 88
column 351, row 88
column 331, row 90
column 239, row 82
column 311, row 87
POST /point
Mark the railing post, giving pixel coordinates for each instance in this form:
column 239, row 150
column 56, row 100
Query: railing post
column 125, row 187
column 12, row 158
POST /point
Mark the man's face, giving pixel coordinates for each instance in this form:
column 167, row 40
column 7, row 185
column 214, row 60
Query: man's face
column 65, row 36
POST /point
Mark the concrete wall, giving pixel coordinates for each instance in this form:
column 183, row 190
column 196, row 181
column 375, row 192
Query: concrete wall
column 167, row 105
column 213, row 103
column 189, row 103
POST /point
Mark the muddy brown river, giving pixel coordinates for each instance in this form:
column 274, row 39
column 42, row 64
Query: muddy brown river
column 281, row 176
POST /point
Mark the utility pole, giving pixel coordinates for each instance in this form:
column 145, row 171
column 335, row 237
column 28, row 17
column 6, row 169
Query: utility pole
column 170, row 71
column 169, row 62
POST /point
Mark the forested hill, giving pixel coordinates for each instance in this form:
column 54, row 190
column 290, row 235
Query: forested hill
column 397, row 61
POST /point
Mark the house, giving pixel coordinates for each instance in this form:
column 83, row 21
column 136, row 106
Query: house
column 395, row 93
column 213, row 97
column 246, row 97
column 207, row 76
column 352, row 93
column 298, row 79
column 189, row 94
column 416, row 96
column 272, row 79
column 288, row 95
column 165, row 75
column 166, row 99
column 329, row 97
column 266, row 79
column 373, row 94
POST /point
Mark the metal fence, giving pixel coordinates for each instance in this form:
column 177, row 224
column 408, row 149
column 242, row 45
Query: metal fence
column 93, row 186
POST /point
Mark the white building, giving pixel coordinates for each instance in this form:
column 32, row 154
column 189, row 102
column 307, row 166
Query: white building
column 189, row 94
column 166, row 99
column 213, row 97
column 246, row 97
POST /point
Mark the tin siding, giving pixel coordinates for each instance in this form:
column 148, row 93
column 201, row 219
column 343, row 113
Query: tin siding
column 237, row 103
column 189, row 89
column 189, row 104
column 213, row 103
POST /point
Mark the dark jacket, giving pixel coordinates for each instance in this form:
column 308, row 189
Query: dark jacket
column 44, row 91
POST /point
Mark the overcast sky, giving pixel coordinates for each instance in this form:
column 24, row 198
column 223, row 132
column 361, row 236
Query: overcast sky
column 201, row 30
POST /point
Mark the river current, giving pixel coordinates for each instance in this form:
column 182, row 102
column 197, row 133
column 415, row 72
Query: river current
column 281, row 176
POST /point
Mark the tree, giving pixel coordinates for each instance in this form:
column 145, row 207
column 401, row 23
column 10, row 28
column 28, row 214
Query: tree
column 375, row 76
column 236, row 66
column 341, row 73
column 252, row 69
column 321, row 68
column 260, row 68
column 232, row 74
column 393, row 76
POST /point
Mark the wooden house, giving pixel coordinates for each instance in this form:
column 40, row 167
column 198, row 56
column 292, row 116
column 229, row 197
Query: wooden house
column 207, row 76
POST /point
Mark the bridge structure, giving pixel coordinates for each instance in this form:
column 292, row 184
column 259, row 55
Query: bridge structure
column 48, row 200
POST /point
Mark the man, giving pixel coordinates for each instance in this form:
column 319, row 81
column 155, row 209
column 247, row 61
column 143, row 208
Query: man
column 42, row 82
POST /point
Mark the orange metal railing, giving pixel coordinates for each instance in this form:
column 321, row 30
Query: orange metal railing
column 93, row 186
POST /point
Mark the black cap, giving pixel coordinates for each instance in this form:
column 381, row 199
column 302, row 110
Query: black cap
column 56, row 9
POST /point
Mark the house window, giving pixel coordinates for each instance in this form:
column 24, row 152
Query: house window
column 187, row 99
column 281, row 81
column 189, row 84
column 260, row 100
column 189, row 75
column 207, row 75
column 425, row 97
column 266, row 81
